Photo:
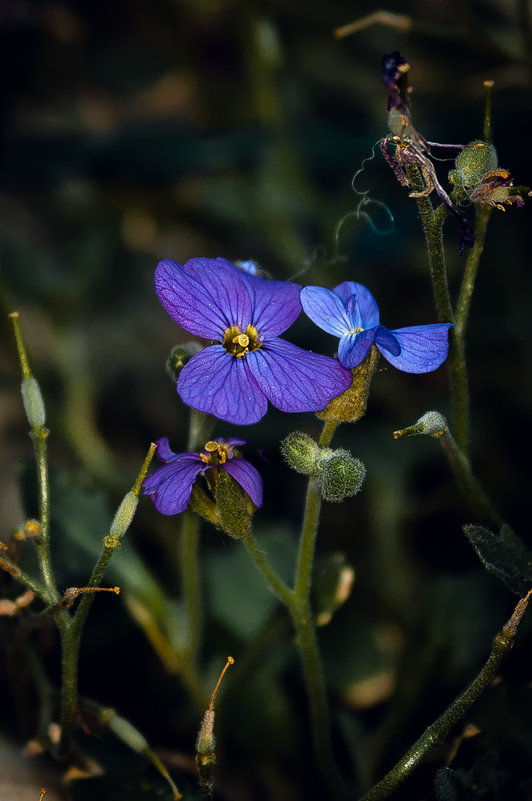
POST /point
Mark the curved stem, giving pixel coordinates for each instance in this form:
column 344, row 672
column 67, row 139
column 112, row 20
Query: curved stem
column 435, row 733
column 277, row 585
column 459, row 382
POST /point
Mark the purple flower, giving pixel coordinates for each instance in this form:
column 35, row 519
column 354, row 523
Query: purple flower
column 351, row 313
column 249, row 365
column 394, row 70
column 170, row 486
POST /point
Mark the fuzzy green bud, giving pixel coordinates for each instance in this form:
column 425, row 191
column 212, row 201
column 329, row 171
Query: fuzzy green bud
column 474, row 161
column 432, row 424
column 123, row 517
column 301, row 452
column 33, row 402
column 342, row 476
column 179, row 356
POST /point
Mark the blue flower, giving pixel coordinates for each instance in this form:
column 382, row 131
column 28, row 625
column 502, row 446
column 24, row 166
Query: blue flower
column 350, row 312
column 170, row 486
column 249, row 364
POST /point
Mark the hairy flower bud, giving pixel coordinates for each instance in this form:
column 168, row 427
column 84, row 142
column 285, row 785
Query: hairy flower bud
column 234, row 506
column 432, row 424
column 473, row 162
column 342, row 476
column 301, row 452
column 179, row 356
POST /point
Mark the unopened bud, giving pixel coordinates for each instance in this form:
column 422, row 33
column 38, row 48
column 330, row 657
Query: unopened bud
column 341, row 477
column 301, row 452
column 432, row 424
column 179, row 356
column 472, row 163
column 33, row 402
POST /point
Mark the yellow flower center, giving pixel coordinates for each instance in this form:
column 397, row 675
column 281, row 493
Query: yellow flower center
column 238, row 344
column 216, row 453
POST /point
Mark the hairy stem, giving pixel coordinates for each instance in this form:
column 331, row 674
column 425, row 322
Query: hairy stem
column 437, row 732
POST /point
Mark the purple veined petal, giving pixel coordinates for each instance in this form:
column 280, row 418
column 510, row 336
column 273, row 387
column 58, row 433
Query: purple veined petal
column 188, row 303
column 227, row 286
column 385, row 340
column 353, row 348
column 163, row 450
column 423, row 347
column 369, row 311
column 170, row 485
column 231, row 441
column 217, row 383
column 325, row 309
column 247, row 476
column 296, row 380
column 276, row 305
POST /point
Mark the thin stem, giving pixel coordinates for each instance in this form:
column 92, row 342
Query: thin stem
column 459, row 382
column 191, row 585
column 39, row 436
column 327, row 433
column 277, row 585
column 467, row 481
column 437, row 732
column 15, row 571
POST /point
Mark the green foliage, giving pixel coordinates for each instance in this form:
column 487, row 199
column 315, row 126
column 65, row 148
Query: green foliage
column 504, row 554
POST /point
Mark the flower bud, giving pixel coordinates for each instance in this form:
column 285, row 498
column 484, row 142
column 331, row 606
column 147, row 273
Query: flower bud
column 301, row 452
column 341, row 477
column 432, row 424
column 33, row 402
column 179, row 356
column 473, row 162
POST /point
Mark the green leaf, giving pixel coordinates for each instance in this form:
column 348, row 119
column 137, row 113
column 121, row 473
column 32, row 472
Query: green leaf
column 504, row 554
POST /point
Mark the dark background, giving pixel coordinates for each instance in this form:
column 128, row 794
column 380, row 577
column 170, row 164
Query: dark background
column 135, row 131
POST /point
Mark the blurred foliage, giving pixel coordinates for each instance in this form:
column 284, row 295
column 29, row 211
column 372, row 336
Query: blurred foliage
column 135, row 131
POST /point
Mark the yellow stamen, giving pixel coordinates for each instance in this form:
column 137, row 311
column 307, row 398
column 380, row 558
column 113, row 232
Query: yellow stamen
column 230, row 661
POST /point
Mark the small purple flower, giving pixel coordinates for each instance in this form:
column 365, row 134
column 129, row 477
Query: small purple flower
column 350, row 312
column 170, row 486
column 394, row 70
column 249, row 364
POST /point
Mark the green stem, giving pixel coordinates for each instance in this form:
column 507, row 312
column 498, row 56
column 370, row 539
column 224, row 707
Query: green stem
column 191, row 586
column 437, row 732
column 459, row 382
column 277, row 586
column 14, row 570
column 466, row 480
column 39, row 436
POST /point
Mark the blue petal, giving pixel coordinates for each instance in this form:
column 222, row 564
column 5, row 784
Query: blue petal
column 386, row 341
column 217, row 383
column 248, row 477
column 423, row 347
column 295, row 380
column 369, row 311
column 188, row 303
column 170, row 486
column 325, row 309
column 353, row 348
column 227, row 286
column 276, row 305
column 163, row 450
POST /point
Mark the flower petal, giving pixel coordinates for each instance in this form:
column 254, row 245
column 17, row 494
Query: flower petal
column 423, row 347
column 170, row 485
column 296, row 380
column 325, row 309
column 227, row 286
column 247, row 476
column 217, row 383
column 384, row 339
column 353, row 348
column 163, row 450
column 367, row 305
column 276, row 305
